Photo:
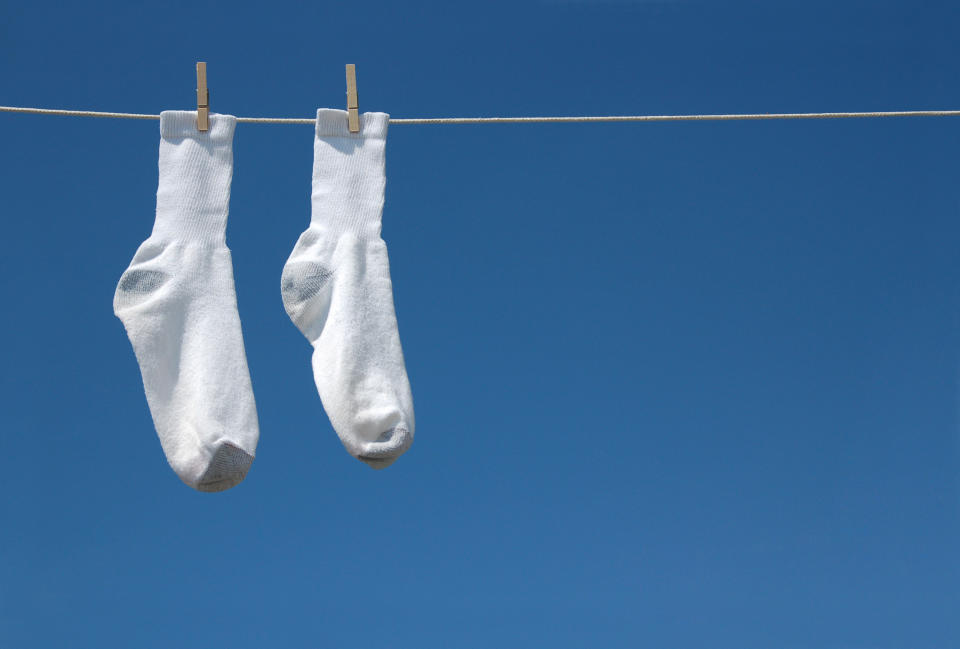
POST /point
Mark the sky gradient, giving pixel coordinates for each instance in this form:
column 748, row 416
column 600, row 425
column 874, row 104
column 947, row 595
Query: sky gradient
column 677, row 385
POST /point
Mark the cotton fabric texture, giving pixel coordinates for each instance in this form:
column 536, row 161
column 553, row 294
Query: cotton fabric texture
column 179, row 307
column 336, row 288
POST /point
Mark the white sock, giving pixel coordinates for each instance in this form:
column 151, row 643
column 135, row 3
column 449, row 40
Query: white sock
column 178, row 305
column 336, row 288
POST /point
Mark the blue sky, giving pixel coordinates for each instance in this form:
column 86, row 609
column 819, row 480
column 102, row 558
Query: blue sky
column 676, row 385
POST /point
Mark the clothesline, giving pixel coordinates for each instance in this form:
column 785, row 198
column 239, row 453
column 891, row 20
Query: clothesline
column 520, row 120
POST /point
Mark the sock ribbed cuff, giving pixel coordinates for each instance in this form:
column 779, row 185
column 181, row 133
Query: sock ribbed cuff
column 196, row 168
column 176, row 124
column 333, row 123
column 348, row 173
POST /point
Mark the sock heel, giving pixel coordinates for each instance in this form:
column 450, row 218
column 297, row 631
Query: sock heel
column 305, row 289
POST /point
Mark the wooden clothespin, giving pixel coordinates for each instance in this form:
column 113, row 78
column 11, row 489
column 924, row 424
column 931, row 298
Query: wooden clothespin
column 203, row 98
column 353, row 108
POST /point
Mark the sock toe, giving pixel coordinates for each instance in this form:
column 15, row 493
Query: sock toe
column 390, row 445
column 227, row 468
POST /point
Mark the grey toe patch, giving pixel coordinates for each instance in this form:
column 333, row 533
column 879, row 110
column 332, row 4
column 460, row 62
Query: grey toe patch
column 391, row 443
column 227, row 468
column 391, row 440
column 378, row 463
column 301, row 281
column 135, row 285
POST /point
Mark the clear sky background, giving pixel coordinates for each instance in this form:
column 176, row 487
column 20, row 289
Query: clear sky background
column 677, row 385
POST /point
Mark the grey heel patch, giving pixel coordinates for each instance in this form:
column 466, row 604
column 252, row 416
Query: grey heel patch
column 303, row 280
column 135, row 285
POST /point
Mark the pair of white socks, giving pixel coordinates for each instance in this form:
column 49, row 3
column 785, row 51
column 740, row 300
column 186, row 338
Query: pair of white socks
column 178, row 304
